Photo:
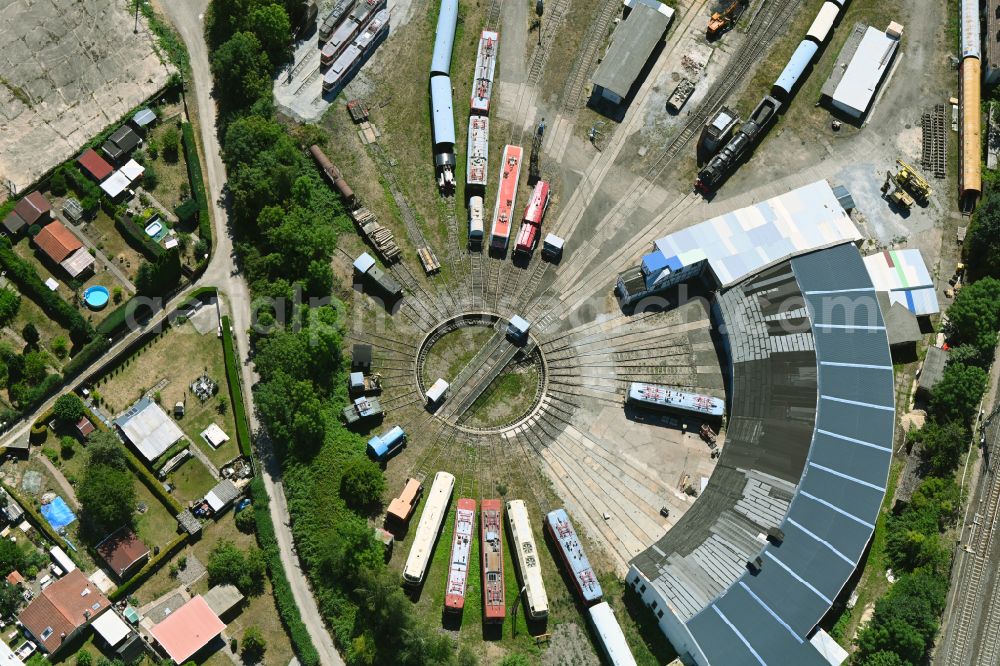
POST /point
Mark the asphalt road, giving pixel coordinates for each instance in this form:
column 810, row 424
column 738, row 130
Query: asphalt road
column 187, row 16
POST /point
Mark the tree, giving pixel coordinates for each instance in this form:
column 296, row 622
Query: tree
column 883, row 658
column 60, row 346
column 11, row 556
column 150, row 179
column 34, row 369
column 159, row 277
column 942, row 446
column 245, row 521
column 106, row 490
column 228, row 565
column 84, row 658
column 241, row 71
column 974, row 317
column 515, row 660
column 271, row 26
column 57, row 184
column 30, row 334
column 956, row 395
column 171, row 142
column 254, row 646
column 10, row 600
column 10, row 303
column 69, row 408
column 982, row 247
column 362, row 483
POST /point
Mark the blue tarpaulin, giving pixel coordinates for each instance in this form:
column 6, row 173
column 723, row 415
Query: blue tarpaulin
column 58, row 513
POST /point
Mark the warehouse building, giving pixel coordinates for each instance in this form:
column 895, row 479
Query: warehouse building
column 634, row 40
column 860, row 68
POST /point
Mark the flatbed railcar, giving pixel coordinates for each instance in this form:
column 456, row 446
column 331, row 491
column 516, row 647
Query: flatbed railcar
column 427, row 530
column 531, row 225
column 574, row 559
column 461, row 551
column 503, row 210
column 491, row 523
column 522, row 543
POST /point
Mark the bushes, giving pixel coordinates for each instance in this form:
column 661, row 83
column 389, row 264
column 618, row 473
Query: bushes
column 136, row 237
column 152, row 483
column 291, row 617
column 90, row 353
column 235, row 388
column 28, row 282
column 186, row 211
column 197, row 183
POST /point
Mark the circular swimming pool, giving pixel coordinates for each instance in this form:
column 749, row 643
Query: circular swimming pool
column 96, row 297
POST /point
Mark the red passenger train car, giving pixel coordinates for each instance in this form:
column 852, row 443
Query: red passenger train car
column 491, row 519
column 531, row 225
column 503, row 211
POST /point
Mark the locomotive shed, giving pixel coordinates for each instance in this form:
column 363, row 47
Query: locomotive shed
column 551, row 426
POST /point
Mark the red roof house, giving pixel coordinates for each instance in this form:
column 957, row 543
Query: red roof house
column 62, row 610
column 33, row 209
column 57, row 242
column 123, row 552
column 187, row 630
column 94, row 165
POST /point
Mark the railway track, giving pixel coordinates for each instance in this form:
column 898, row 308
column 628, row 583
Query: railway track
column 553, row 20
column 476, row 377
column 975, row 598
column 593, row 40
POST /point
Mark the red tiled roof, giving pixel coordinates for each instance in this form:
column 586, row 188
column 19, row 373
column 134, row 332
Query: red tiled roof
column 84, row 427
column 15, row 578
column 57, row 241
column 188, row 629
column 32, row 207
column 63, row 607
column 94, row 164
column 122, row 549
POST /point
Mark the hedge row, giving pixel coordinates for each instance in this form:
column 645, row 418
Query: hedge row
column 30, row 285
column 178, row 446
column 154, row 485
column 290, row 614
column 114, row 321
column 41, row 391
column 235, row 388
column 151, row 567
column 197, row 183
column 136, row 237
column 87, row 355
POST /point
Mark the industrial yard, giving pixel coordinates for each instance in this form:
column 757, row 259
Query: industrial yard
column 638, row 309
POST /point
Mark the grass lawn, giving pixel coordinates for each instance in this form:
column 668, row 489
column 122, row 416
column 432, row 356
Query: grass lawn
column 157, row 363
column 191, row 481
column 156, row 527
column 454, row 351
column 171, row 176
column 102, row 233
column 30, row 312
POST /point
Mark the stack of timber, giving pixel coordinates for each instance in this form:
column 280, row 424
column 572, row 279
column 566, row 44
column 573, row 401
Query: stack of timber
column 379, row 237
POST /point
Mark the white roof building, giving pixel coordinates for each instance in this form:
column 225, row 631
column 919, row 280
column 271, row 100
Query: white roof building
column 222, row 495
column 149, row 429
column 865, row 71
column 60, row 557
column 78, row 263
column 132, row 170
column 364, row 263
column 111, row 627
column 437, row 391
column 903, row 275
column 214, row 436
column 115, row 184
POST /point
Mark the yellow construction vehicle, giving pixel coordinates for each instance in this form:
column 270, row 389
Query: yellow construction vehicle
column 897, row 195
column 911, row 179
column 724, row 20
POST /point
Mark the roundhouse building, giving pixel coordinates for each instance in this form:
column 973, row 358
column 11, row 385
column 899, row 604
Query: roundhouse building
column 748, row 572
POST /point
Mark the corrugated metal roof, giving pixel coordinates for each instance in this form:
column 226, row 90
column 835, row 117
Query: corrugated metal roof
column 633, row 41
column 904, row 275
column 796, row 65
column 764, row 618
column 747, row 241
column 864, row 73
column 443, row 115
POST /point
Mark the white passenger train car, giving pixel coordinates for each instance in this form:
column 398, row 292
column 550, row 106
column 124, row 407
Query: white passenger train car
column 610, row 637
column 526, row 555
column 476, row 221
column 430, row 524
column 477, row 160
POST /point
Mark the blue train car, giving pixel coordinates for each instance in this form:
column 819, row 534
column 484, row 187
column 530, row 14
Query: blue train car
column 381, row 447
column 570, row 550
column 444, row 37
column 797, row 64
